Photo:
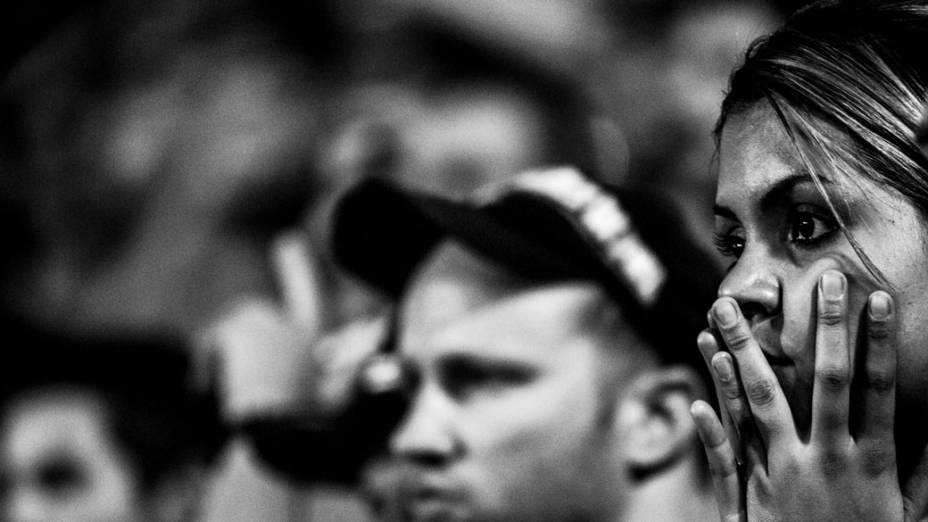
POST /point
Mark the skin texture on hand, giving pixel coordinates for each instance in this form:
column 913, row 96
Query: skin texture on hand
column 844, row 468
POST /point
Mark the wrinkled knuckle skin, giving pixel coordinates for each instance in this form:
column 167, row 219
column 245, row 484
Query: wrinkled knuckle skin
column 878, row 330
column 876, row 460
column 731, row 392
column 832, row 463
column 831, row 316
column 736, row 339
column 880, row 381
column 761, row 392
column 833, row 378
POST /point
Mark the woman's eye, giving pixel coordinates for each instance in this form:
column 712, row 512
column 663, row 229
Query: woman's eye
column 729, row 244
column 808, row 227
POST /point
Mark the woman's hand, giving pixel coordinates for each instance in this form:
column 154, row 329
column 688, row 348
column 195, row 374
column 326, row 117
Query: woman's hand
column 846, row 469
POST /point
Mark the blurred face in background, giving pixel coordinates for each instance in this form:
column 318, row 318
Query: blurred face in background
column 61, row 463
column 509, row 421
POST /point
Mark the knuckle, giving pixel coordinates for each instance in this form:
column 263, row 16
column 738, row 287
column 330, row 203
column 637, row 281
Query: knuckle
column 876, row 459
column 878, row 330
column 831, row 316
column 880, row 381
column 791, row 465
column 832, row 463
column 737, row 339
column 731, row 392
column 832, row 377
column 761, row 392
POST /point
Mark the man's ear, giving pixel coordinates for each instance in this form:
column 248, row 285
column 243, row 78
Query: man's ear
column 654, row 421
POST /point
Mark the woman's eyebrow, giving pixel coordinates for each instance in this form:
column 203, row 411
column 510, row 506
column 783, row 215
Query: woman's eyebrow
column 783, row 187
column 774, row 194
column 725, row 212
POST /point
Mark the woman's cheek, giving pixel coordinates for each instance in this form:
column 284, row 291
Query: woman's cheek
column 800, row 307
column 913, row 347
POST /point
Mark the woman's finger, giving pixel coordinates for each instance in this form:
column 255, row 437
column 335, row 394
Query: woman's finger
column 751, row 448
column 723, row 367
column 879, row 372
column 831, row 391
column 771, row 412
column 722, row 462
column 709, row 345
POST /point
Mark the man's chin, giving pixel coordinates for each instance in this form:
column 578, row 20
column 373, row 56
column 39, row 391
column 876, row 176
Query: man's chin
column 436, row 510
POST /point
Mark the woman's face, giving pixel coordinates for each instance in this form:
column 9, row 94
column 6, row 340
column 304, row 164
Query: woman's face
column 781, row 236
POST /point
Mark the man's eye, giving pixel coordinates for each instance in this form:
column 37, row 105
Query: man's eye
column 463, row 379
column 807, row 227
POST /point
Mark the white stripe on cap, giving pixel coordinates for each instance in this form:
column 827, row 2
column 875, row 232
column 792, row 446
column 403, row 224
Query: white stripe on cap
column 603, row 218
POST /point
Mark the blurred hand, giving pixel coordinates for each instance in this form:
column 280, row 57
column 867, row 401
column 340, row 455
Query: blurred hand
column 769, row 472
column 261, row 346
column 273, row 358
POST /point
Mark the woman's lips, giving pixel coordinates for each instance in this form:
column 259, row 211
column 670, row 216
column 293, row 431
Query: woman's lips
column 770, row 343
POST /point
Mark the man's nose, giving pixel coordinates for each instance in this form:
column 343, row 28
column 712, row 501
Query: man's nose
column 426, row 435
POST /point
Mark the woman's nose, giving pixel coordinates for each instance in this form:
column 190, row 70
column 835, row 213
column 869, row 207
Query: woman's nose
column 754, row 285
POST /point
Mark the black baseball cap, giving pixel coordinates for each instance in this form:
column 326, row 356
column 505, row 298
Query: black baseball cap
column 546, row 225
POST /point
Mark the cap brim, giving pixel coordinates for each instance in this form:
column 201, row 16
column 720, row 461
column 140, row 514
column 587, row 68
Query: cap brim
column 382, row 234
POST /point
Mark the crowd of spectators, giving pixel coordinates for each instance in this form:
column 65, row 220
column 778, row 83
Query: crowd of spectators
column 163, row 165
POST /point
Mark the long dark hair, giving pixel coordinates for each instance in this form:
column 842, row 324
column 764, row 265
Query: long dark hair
column 848, row 81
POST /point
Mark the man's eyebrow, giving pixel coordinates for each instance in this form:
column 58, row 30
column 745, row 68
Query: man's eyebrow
column 774, row 193
column 480, row 362
column 467, row 357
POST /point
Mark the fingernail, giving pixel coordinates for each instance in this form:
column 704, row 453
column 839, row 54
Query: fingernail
column 725, row 313
column 700, row 408
column 880, row 306
column 704, row 338
column 722, row 364
column 833, row 284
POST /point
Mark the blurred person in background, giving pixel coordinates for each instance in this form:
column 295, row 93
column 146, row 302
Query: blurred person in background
column 156, row 148
column 428, row 98
column 159, row 146
column 451, row 103
column 543, row 386
column 151, row 150
column 103, row 428
column 666, row 77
